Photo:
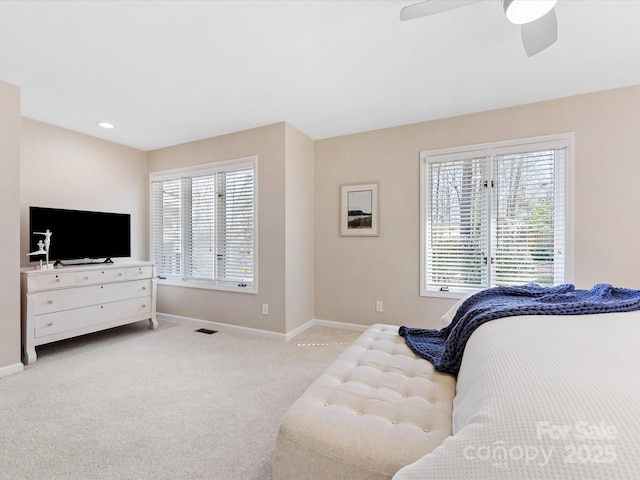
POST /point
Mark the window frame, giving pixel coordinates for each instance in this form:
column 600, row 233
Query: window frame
column 563, row 140
column 206, row 169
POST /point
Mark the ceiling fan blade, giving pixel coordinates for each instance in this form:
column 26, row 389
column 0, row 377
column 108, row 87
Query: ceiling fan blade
column 431, row 7
column 539, row 34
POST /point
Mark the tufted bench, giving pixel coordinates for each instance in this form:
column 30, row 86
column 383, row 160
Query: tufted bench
column 377, row 408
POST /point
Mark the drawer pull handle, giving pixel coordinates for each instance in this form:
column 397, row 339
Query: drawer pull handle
column 85, row 278
column 50, row 324
column 120, row 274
column 49, row 302
column 144, row 306
column 144, row 288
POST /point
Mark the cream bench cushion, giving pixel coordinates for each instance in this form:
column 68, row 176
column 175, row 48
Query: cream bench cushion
column 377, row 408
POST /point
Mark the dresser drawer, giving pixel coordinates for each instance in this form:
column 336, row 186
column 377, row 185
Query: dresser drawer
column 91, row 277
column 55, row 280
column 128, row 308
column 86, row 317
column 139, row 272
column 67, row 299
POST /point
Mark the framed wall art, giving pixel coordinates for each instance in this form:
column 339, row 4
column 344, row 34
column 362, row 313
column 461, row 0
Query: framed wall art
column 359, row 210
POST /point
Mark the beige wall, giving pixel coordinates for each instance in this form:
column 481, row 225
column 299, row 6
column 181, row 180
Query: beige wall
column 10, row 228
column 65, row 169
column 351, row 273
column 299, row 235
column 240, row 309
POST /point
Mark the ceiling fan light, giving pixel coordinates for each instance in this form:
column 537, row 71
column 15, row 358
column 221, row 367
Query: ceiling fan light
column 526, row 11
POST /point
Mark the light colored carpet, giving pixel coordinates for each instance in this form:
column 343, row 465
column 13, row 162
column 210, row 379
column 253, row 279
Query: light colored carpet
column 132, row 403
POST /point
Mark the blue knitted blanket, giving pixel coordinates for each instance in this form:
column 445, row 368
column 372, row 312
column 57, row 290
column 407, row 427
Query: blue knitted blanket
column 444, row 348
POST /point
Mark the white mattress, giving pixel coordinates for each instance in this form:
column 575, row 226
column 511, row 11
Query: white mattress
column 553, row 397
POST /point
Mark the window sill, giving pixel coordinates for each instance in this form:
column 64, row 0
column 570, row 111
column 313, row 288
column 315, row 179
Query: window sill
column 454, row 293
column 174, row 282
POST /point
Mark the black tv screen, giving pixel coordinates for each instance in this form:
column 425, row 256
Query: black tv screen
column 80, row 234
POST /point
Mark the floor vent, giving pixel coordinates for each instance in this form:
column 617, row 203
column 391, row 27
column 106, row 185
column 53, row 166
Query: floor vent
column 206, row 330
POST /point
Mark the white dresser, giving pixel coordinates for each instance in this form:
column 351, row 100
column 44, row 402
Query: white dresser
column 75, row 300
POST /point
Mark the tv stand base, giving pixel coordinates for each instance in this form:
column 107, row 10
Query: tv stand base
column 86, row 261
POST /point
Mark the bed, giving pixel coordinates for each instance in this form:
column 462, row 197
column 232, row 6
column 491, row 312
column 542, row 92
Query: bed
column 544, row 397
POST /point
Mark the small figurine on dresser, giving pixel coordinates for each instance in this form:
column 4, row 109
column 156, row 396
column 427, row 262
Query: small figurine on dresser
column 43, row 249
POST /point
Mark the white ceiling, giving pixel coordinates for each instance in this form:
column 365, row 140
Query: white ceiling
column 169, row 72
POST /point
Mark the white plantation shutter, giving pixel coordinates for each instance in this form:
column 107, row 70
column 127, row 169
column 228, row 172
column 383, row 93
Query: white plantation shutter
column 496, row 215
column 528, row 242
column 457, row 226
column 235, row 232
column 203, row 223
column 198, row 225
column 166, row 226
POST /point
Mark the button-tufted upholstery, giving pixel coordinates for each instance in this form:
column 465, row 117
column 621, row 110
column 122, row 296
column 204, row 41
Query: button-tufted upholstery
column 377, row 408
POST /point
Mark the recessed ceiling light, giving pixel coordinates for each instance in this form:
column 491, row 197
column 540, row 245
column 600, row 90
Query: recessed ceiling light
column 106, row 125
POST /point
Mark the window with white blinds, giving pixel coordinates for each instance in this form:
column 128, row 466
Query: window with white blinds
column 203, row 224
column 496, row 214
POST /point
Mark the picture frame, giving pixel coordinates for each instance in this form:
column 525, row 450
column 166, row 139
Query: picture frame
column 359, row 210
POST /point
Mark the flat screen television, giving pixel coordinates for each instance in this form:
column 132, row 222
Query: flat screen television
column 80, row 235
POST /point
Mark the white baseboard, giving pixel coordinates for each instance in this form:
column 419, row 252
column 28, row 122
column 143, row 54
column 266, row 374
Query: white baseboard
column 11, row 369
column 325, row 323
column 343, row 325
column 297, row 331
column 225, row 327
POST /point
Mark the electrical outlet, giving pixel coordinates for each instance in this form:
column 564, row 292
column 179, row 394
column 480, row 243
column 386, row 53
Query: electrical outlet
column 379, row 306
column 265, row 309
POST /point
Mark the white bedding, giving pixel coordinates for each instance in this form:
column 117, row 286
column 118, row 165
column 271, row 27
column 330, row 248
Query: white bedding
column 544, row 397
